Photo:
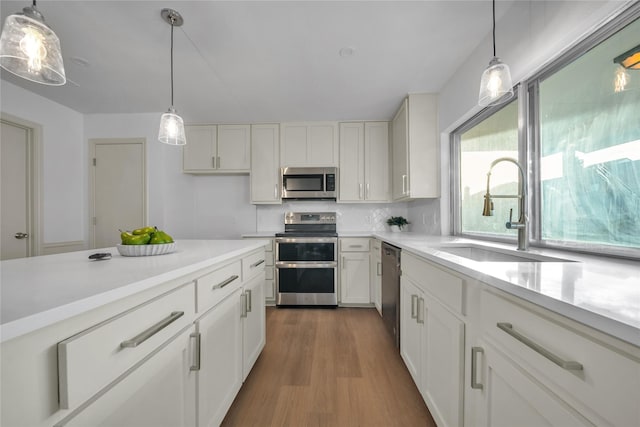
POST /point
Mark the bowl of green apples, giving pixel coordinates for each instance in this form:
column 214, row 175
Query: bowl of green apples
column 145, row 241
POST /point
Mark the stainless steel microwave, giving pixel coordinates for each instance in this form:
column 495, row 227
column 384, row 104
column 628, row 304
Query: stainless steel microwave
column 309, row 183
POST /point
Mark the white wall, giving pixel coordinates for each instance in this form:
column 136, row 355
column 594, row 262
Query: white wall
column 529, row 35
column 64, row 164
column 185, row 206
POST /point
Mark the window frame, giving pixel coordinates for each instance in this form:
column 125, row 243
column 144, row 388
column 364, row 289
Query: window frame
column 529, row 146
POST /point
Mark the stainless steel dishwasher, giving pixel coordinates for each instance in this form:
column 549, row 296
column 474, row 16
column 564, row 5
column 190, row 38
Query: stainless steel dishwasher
column 391, row 290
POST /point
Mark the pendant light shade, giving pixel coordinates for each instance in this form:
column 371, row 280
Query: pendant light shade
column 30, row 49
column 496, row 86
column 171, row 124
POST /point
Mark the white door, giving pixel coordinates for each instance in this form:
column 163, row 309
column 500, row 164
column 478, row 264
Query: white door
column 351, row 162
column 265, row 163
column 376, row 152
column 118, row 189
column 254, row 324
column 14, row 219
column 234, row 146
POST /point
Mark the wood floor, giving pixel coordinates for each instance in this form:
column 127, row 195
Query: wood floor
column 324, row 367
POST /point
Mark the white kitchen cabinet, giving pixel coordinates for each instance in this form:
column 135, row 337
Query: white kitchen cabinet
column 269, row 270
column 158, row 392
column 415, row 154
column 512, row 397
column 265, row 164
column 376, row 273
column 253, row 323
column 220, row 373
column 217, row 149
column 412, row 328
column 354, row 270
column 364, row 162
column 309, row 144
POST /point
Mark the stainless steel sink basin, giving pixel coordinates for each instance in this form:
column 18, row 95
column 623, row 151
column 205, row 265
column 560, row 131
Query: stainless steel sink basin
column 484, row 254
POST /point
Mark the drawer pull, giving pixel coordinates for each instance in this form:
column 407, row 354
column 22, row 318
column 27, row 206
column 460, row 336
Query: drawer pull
column 474, row 369
column 255, row 264
column 355, row 246
column 225, row 283
column 145, row 335
column 565, row 364
column 196, row 352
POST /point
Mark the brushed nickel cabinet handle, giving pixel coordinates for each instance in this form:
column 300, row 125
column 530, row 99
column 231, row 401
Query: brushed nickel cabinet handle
column 275, row 191
column 196, row 352
column 565, row 364
column 148, row 333
column 248, row 300
column 414, row 298
column 366, row 192
column 219, row 163
column 21, row 236
column 225, row 283
column 243, row 305
column 213, row 161
column 379, row 269
column 420, row 319
column 360, row 191
column 257, row 263
column 474, row 369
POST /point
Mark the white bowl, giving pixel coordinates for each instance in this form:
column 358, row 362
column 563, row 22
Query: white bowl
column 146, row 250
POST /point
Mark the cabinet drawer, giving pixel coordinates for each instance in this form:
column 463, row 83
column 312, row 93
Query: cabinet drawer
column 90, row 360
column 604, row 389
column 253, row 265
column 213, row 287
column 444, row 286
column 354, row 244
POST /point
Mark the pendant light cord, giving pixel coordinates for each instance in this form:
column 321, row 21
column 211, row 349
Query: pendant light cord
column 171, row 62
column 494, row 28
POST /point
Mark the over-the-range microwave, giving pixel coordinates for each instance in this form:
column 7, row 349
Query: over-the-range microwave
column 309, row 183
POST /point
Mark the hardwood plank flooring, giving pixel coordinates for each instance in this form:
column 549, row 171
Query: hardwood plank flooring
column 323, row 367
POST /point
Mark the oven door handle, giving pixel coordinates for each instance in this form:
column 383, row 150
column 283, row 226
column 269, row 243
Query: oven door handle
column 332, row 264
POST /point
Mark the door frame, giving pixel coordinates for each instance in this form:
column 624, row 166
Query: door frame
column 93, row 142
column 34, row 180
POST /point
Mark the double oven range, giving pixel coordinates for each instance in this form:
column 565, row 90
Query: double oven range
column 306, row 260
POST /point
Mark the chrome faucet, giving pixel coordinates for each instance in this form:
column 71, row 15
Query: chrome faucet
column 521, row 225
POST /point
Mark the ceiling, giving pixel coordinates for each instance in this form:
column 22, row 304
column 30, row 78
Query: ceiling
column 243, row 62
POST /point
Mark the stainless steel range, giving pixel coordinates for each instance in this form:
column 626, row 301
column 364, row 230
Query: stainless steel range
column 306, row 260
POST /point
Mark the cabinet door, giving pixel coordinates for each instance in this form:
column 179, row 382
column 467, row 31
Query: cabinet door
column 159, row 392
column 322, row 144
column 376, row 160
column 293, row 144
column 354, row 278
column 265, row 164
column 376, row 274
column 199, row 155
column 411, row 328
column 510, row 397
column 443, row 364
column 400, row 141
column 254, row 323
column 220, row 374
column 234, row 143
column 352, row 183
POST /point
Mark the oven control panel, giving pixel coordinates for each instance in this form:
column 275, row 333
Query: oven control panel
column 310, row 218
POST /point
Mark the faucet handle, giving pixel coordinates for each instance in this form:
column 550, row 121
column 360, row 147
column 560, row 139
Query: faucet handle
column 513, row 225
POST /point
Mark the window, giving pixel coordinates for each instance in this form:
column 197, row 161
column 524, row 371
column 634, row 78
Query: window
column 583, row 152
column 589, row 127
column 491, row 138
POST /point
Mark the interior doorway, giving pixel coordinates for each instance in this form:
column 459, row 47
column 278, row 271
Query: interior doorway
column 118, row 196
column 20, row 188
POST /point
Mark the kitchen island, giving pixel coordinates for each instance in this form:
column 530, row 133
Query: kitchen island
column 130, row 340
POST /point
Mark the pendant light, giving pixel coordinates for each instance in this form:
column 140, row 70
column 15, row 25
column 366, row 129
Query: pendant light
column 30, row 49
column 495, row 86
column 630, row 59
column 171, row 124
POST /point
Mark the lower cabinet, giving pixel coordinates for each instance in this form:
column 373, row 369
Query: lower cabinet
column 220, row 372
column 511, row 397
column 253, row 324
column 355, row 286
column 412, row 328
column 376, row 274
column 161, row 391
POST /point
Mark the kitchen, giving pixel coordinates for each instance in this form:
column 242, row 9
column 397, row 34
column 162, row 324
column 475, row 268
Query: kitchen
column 188, row 205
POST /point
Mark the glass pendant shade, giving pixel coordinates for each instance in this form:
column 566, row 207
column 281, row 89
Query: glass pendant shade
column 31, row 50
column 495, row 86
column 171, row 128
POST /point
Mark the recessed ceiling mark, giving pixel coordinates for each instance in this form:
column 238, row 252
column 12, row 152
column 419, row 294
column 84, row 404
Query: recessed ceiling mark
column 347, row 51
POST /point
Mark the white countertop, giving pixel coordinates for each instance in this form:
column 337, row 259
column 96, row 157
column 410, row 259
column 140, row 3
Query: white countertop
column 39, row 291
column 603, row 293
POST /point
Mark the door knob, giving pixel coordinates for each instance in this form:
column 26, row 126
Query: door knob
column 21, row 235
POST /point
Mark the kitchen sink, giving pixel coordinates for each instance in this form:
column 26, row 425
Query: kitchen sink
column 484, row 254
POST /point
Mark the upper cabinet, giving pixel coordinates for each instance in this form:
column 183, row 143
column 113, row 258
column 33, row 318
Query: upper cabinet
column 364, row 162
column 309, row 144
column 217, row 149
column 415, row 149
column 265, row 164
